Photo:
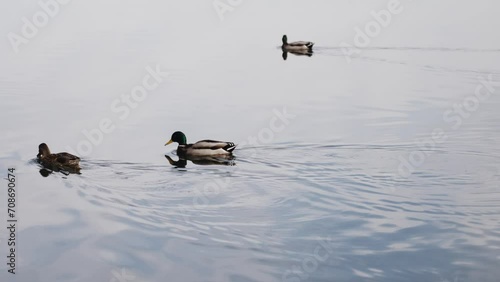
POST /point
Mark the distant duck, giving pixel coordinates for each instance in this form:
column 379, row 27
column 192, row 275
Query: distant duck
column 59, row 161
column 296, row 46
column 200, row 148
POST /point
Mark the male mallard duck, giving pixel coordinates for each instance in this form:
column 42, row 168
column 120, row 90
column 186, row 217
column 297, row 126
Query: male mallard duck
column 200, row 148
column 296, row 46
column 59, row 161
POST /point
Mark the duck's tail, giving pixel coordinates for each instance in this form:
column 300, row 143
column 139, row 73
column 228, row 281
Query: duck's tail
column 230, row 147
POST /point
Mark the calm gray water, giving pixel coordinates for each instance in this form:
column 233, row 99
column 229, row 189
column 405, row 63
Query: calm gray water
column 379, row 166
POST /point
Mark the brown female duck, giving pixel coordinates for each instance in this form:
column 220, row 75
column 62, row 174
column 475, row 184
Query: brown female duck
column 59, row 161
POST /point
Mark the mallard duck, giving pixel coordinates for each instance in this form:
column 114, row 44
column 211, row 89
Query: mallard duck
column 200, row 148
column 59, row 161
column 296, row 46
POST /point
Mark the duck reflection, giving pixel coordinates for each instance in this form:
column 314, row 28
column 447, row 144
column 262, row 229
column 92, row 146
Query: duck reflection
column 308, row 53
column 46, row 170
column 220, row 160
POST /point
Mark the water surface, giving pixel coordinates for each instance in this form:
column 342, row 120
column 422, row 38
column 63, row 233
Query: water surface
column 356, row 169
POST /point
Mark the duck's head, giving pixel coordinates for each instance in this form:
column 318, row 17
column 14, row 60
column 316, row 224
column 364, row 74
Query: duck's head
column 177, row 137
column 284, row 39
column 43, row 150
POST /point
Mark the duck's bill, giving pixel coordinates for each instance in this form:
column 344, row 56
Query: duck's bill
column 169, row 142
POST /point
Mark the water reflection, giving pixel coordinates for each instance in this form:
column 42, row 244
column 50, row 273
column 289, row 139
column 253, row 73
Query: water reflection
column 46, row 170
column 308, row 53
column 182, row 162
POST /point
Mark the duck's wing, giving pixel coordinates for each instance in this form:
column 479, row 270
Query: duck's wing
column 67, row 158
column 302, row 43
column 213, row 145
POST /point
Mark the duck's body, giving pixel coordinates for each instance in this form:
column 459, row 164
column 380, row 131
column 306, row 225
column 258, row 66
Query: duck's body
column 206, row 148
column 64, row 161
column 296, row 46
column 201, row 148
